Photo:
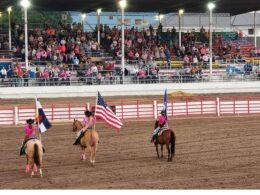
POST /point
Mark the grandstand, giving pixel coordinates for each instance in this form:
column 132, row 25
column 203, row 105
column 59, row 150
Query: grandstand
column 68, row 55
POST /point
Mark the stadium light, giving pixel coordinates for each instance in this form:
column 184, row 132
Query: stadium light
column 99, row 11
column 83, row 16
column 122, row 5
column 9, row 9
column 181, row 12
column 25, row 4
column 98, row 24
column 211, row 6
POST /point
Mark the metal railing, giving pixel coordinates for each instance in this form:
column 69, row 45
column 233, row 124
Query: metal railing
column 114, row 80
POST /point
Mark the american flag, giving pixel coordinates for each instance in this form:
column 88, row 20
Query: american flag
column 104, row 112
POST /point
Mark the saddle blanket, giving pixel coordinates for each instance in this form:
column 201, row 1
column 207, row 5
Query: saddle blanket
column 162, row 130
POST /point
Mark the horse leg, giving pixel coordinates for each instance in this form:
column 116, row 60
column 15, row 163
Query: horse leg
column 94, row 154
column 40, row 170
column 83, row 154
column 156, row 146
column 161, row 151
column 27, row 167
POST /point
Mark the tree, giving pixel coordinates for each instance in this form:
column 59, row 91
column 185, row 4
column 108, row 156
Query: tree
column 36, row 18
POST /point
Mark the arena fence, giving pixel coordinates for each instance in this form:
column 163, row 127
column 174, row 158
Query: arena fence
column 141, row 109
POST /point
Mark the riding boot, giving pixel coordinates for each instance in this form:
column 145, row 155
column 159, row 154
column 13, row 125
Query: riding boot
column 154, row 138
column 22, row 150
column 79, row 137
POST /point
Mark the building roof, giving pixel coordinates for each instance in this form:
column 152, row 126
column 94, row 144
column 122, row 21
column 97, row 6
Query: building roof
column 233, row 7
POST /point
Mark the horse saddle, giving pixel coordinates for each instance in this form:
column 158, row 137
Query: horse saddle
column 162, row 130
column 31, row 138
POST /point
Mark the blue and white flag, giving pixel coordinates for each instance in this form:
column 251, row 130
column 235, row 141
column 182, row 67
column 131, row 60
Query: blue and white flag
column 165, row 101
column 41, row 118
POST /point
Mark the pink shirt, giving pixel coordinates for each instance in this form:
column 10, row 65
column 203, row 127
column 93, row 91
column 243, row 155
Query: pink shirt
column 162, row 120
column 29, row 131
column 86, row 121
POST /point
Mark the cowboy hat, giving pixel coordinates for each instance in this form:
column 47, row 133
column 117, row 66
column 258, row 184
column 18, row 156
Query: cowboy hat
column 30, row 121
column 88, row 113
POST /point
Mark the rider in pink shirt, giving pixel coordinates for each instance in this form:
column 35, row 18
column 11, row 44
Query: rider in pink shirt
column 88, row 122
column 161, row 122
column 29, row 133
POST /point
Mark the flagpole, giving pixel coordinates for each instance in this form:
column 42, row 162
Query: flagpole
column 37, row 118
column 94, row 126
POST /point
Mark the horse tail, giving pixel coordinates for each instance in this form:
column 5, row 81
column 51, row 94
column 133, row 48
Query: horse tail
column 173, row 138
column 36, row 156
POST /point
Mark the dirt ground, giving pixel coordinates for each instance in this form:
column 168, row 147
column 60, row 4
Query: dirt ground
column 211, row 153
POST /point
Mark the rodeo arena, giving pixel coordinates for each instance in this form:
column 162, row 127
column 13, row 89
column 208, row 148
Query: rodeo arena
column 130, row 94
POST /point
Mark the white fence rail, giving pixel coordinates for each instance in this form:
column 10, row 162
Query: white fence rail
column 139, row 110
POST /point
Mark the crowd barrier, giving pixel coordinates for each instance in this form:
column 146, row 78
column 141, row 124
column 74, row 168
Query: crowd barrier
column 141, row 109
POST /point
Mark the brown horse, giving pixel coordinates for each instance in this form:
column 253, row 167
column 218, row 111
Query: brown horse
column 34, row 153
column 88, row 142
column 168, row 138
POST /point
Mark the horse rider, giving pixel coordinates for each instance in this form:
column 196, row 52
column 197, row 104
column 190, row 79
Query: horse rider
column 88, row 122
column 29, row 130
column 161, row 122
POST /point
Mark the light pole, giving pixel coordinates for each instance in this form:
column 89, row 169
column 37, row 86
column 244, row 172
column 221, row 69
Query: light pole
column 9, row 9
column 211, row 6
column 0, row 19
column 122, row 4
column 83, row 16
column 181, row 11
column 255, row 29
column 98, row 25
column 25, row 4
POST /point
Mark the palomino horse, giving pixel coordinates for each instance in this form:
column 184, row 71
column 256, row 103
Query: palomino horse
column 88, row 142
column 34, row 153
column 168, row 138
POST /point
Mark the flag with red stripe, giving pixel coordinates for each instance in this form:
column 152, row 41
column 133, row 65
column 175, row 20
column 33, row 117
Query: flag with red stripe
column 103, row 111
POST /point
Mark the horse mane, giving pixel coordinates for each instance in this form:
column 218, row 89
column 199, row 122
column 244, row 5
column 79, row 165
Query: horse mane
column 78, row 122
